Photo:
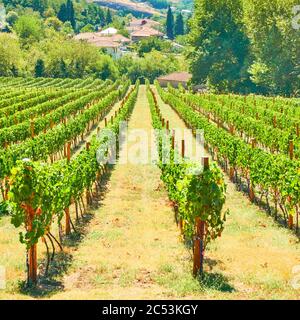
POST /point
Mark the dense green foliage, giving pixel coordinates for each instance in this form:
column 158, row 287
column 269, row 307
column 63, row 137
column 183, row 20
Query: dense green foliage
column 153, row 43
column 77, row 13
column 67, row 13
column 275, row 45
column 246, row 46
column 150, row 66
column 222, row 46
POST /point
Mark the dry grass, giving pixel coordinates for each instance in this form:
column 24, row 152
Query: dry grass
column 131, row 247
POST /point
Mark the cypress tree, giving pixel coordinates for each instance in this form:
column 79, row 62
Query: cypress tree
column 170, row 24
column 179, row 25
column 39, row 69
column 71, row 13
column 108, row 17
column 62, row 13
column 101, row 17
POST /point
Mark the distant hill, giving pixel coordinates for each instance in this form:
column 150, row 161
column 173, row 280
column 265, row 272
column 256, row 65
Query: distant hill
column 146, row 8
column 183, row 4
column 139, row 9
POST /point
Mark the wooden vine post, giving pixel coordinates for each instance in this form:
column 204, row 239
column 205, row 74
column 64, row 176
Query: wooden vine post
column 231, row 173
column 173, row 139
column 87, row 190
column 32, row 252
column 199, row 237
column 251, row 191
column 67, row 210
column 290, row 216
column 182, row 155
column 182, row 148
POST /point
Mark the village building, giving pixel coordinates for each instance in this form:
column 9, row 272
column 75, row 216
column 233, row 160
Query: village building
column 113, row 44
column 140, row 29
column 145, row 33
column 175, row 79
column 137, row 24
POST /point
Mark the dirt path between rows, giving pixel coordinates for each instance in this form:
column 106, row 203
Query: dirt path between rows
column 132, row 249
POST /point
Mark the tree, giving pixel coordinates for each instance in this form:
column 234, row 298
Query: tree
column 70, row 58
column 170, row 24
column 221, row 45
column 39, row 69
column 10, row 55
column 105, row 68
column 71, row 13
column 151, row 66
column 100, row 20
column 54, row 23
column 49, row 13
column 67, row 13
column 94, row 15
column 39, row 5
column 87, row 28
column 152, row 43
column 29, row 29
column 275, row 46
column 179, row 25
column 67, row 28
column 108, row 18
column 62, row 13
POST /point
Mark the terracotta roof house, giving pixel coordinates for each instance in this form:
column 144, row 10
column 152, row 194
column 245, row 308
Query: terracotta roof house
column 144, row 33
column 85, row 36
column 94, row 36
column 112, row 43
column 175, row 79
column 109, row 45
column 121, row 39
column 137, row 24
